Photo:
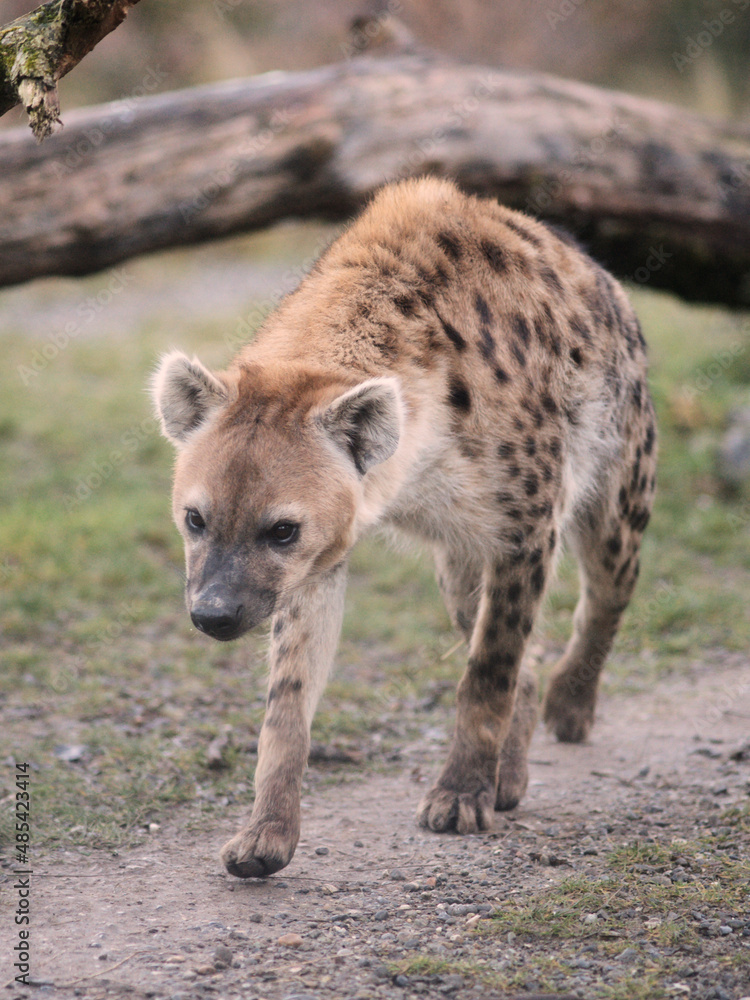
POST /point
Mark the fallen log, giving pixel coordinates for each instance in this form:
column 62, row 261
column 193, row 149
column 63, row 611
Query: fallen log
column 660, row 195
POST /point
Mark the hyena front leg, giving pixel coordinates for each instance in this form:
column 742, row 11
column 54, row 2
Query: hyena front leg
column 468, row 791
column 305, row 632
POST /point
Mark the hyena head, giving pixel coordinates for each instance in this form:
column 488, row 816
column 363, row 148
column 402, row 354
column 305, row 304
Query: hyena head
column 268, row 479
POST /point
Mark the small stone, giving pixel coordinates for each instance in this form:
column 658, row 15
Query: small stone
column 723, row 929
column 204, row 970
column 222, row 957
column 628, row 956
column 397, row 875
column 358, row 843
column 401, row 980
column 473, row 920
column 174, row 959
column 380, row 915
column 290, row 940
column 321, row 850
column 154, row 827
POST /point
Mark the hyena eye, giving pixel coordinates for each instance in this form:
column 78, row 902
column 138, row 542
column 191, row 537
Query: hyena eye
column 194, row 521
column 284, row 532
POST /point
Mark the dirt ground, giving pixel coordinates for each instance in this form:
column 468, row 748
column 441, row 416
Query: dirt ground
column 367, row 888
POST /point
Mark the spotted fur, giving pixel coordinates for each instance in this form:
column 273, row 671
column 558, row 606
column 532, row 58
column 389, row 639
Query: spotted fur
column 460, row 372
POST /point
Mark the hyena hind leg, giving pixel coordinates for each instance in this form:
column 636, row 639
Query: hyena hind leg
column 607, row 544
column 460, row 584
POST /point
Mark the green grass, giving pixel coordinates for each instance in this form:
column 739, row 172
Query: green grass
column 97, row 648
column 632, row 904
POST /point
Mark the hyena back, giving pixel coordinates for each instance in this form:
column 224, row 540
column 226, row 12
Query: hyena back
column 463, row 373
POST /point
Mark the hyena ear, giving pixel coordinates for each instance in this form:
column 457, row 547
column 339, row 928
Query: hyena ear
column 366, row 421
column 184, row 393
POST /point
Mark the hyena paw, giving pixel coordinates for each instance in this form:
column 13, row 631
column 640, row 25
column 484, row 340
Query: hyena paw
column 568, row 718
column 512, row 784
column 261, row 849
column 444, row 809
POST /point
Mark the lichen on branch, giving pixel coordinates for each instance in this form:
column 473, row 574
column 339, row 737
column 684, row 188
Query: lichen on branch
column 39, row 48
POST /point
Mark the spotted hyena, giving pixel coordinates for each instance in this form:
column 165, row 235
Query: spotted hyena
column 463, row 373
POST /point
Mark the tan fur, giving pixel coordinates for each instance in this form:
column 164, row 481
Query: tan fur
column 460, row 372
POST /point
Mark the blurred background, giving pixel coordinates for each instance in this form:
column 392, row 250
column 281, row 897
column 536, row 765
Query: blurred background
column 633, row 45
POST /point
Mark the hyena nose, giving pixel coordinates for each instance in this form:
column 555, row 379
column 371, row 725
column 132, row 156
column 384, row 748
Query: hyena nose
column 218, row 624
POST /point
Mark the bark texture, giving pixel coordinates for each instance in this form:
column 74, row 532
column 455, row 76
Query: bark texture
column 39, row 48
column 658, row 194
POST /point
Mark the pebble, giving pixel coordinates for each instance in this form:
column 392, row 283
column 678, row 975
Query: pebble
column 401, row 980
column 397, row 875
column 222, row 957
column 627, row 956
column 290, row 940
column 321, row 850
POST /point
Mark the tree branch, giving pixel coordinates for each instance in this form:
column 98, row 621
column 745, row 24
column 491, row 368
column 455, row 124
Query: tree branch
column 660, row 195
column 36, row 50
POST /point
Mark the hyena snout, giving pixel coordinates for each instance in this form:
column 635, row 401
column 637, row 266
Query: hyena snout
column 218, row 622
column 226, row 613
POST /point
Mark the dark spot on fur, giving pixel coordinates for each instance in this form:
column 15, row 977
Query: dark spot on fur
column 549, row 404
column 278, row 627
column 535, row 556
column 283, row 685
column 458, row 394
column 639, row 518
column 575, row 356
column 505, row 497
column 523, row 233
column 500, row 374
column 637, row 392
column 495, row 256
column 521, row 328
column 514, row 592
column 551, row 280
column 450, row 244
column 622, row 571
column 406, row 304
column 578, row 326
column 547, row 473
column 531, row 485
column 514, row 513
column 519, row 354
column 648, row 444
column 526, row 626
column 513, row 619
column 614, row 545
column 514, row 471
column 530, row 447
column 483, row 310
column 552, row 539
column 506, row 450
column 537, row 580
column 452, row 333
column 555, row 447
